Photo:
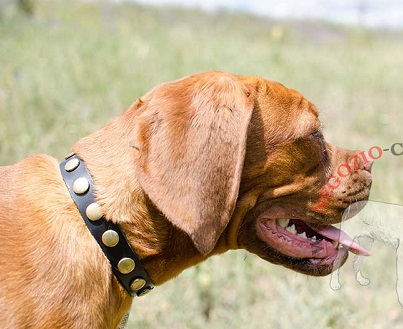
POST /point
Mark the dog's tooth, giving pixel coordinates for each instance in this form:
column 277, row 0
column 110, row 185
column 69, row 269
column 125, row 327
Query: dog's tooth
column 292, row 229
column 303, row 235
column 335, row 244
column 283, row 222
column 314, row 238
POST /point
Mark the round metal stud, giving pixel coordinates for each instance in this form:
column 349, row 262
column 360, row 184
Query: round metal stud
column 94, row 212
column 144, row 292
column 137, row 284
column 110, row 238
column 81, row 185
column 126, row 265
column 69, row 156
column 71, row 165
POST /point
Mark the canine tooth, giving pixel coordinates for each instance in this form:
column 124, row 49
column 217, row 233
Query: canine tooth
column 291, row 229
column 314, row 238
column 283, row 222
column 303, row 235
column 335, row 244
column 340, row 246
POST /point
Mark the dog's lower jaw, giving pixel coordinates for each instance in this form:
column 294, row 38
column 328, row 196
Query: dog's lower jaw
column 178, row 255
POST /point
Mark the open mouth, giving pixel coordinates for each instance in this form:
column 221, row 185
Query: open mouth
column 302, row 240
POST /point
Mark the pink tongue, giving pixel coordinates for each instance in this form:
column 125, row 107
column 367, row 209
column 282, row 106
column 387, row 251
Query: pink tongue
column 333, row 233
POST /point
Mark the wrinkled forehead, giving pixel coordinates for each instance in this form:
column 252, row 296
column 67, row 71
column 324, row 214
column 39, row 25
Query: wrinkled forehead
column 286, row 112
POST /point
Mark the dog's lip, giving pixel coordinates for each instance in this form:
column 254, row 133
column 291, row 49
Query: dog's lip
column 321, row 243
column 292, row 245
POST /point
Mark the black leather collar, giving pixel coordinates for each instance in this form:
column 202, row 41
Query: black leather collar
column 125, row 263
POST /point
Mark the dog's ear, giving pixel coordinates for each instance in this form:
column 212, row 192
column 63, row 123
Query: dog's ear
column 190, row 140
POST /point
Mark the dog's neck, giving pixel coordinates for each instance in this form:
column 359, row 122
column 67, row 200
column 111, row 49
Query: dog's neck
column 165, row 250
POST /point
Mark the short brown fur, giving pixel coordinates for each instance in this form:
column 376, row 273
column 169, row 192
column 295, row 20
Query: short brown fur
column 185, row 172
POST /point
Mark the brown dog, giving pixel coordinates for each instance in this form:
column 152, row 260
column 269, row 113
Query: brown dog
column 197, row 166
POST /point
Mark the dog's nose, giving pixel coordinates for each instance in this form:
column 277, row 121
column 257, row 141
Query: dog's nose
column 368, row 165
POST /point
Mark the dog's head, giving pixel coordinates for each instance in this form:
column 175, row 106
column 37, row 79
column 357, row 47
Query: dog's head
column 244, row 159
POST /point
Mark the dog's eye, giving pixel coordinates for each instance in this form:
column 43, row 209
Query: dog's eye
column 318, row 138
column 317, row 135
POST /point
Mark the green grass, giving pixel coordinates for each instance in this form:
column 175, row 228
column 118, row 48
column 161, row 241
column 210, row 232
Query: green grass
column 74, row 66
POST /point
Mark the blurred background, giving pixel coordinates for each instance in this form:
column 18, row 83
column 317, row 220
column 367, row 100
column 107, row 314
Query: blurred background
column 68, row 67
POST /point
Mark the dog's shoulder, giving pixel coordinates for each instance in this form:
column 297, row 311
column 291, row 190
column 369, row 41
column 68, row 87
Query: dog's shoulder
column 24, row 183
